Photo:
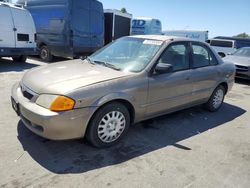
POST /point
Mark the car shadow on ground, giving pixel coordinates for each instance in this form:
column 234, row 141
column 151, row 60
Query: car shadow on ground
column 76, row 156
column 7, row 65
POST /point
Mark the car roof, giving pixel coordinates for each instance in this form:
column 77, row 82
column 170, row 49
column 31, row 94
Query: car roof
column 162, row 37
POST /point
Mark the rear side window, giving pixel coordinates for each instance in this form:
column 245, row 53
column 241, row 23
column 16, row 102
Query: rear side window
column 177, row 55
column 202, row 57
column 22, row 37
column 221, row 43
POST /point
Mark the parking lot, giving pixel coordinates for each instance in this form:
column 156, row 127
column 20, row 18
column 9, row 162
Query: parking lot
column 190, row 148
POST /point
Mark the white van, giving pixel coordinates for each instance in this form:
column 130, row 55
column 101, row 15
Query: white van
column 17, row 32
column 223, row 47
column 146, row 26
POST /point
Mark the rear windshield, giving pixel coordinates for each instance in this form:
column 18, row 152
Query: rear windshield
column 221, row 43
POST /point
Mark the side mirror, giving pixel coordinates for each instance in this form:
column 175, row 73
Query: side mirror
column 162, row 68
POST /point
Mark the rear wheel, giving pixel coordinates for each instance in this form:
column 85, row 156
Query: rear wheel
column 21, row 58
column 109, row 125
column 216, row 99
column 45, row 54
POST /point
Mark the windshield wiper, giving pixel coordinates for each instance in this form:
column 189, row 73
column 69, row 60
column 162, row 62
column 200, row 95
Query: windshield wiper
column 108, row 65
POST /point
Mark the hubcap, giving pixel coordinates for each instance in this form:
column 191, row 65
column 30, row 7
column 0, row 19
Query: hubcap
column 218, row 98
column 44, row 54
column 111, row 126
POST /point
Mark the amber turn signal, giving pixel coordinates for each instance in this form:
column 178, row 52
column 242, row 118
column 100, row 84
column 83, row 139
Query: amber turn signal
column 62, row 103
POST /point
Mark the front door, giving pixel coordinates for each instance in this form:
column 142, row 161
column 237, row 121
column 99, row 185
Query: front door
column 171, row 90
column 205, row 75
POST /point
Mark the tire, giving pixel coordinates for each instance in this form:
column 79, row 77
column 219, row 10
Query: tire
column 216, row 99
column 45, row 54
column 20, row 59
column 109, row 125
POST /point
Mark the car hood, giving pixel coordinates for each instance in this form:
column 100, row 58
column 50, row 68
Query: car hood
column 63, row 77
column 238, row 60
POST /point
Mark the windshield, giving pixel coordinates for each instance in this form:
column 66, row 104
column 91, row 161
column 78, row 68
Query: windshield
column 243, row 52
column 127, row 54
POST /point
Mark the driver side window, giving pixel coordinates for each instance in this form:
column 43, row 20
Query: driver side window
column 176, row 55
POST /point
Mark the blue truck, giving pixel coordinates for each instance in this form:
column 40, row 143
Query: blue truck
column 67, row 28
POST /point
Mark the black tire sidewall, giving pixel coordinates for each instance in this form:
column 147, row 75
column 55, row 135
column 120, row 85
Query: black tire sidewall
column 92, row 135
column 209, row 105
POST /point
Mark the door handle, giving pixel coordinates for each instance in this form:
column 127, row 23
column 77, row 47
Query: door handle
column 14, row 29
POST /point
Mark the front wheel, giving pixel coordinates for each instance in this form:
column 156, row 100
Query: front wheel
column 109, row 125
column 216, row 99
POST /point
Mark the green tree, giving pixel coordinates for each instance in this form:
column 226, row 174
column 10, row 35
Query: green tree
column 242, row 35
column 123, row 10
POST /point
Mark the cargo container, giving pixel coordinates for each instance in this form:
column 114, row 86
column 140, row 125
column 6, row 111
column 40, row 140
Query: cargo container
column 117, row 24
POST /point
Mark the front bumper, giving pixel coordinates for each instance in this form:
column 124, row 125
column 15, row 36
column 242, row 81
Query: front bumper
column 242, row 72
column 52, row 125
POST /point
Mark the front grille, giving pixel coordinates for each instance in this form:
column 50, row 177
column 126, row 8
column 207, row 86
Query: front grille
column 242, row 68
column 242, row 76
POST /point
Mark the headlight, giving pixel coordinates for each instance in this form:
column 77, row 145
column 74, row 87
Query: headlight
column 55, row 102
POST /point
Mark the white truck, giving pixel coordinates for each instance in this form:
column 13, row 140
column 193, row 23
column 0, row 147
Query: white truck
column 17, row 32
column 146, row 26
column 193, row 34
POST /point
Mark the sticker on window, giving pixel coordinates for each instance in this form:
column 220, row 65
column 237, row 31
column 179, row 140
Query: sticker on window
column 152, row 42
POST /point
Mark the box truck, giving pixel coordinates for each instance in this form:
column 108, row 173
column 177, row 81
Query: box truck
column 117, row 24
column 196, row 35
column 67, row 28
column 17, row 32
column 146, row 26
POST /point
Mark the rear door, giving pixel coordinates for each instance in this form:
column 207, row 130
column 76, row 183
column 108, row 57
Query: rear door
column 24, row 28
column 205, row 73
column 7, row 37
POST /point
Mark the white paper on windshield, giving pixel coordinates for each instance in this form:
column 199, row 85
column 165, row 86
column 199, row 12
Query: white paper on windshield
column 152, row 42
